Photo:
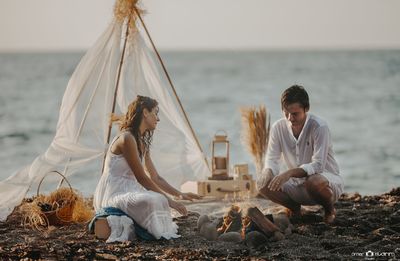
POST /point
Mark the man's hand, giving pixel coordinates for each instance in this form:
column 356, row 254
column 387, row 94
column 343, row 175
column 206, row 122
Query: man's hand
column 278, row 181
column 190, row 196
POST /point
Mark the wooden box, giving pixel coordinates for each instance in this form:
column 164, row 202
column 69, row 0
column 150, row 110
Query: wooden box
column 101, row 228
column 230, row 188
column 241, row 171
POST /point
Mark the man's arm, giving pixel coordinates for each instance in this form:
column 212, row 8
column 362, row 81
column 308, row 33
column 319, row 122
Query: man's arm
column 274, row 151
column 272, row 159
column 277, row 181
column 322, row 142
column 321, row 147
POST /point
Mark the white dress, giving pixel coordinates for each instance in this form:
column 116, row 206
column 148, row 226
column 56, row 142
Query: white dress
column 119, row 188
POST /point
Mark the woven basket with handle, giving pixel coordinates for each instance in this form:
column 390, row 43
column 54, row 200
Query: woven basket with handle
column 61, row 214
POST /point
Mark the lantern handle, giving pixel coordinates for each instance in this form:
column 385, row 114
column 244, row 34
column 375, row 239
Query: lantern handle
column 221, row 138
column 219, row 131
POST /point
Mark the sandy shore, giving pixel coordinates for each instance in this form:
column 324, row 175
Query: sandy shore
column 369, row 223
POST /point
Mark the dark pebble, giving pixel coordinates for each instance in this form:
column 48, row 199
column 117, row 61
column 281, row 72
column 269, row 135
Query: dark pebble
column 255, row 239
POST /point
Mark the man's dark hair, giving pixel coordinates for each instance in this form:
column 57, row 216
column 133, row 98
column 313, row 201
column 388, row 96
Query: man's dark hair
column 293, row 94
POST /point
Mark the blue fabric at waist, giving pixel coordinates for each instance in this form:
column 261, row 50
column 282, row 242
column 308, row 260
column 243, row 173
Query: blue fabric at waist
column 111, row 211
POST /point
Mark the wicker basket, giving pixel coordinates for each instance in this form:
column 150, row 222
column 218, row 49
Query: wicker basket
column 62, row 214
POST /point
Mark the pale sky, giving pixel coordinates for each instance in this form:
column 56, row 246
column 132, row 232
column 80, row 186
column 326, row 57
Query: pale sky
column 54, row 25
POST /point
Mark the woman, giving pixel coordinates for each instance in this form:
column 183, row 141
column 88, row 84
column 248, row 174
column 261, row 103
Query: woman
column 125, row 184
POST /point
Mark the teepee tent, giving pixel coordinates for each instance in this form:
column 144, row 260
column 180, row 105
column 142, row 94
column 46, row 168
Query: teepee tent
column 120, row 65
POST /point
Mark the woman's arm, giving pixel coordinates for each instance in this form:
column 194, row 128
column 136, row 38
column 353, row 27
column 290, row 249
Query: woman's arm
column 163, row 184
column 157, row 179
column 130, row 152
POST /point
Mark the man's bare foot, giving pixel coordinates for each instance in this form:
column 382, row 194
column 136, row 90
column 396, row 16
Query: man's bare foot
column 294, row 212
column 330, row 216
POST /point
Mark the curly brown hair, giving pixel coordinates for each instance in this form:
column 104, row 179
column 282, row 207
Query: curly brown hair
column 132, row 119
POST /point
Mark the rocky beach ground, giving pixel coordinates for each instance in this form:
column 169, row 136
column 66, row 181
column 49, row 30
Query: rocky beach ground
column 366, row 228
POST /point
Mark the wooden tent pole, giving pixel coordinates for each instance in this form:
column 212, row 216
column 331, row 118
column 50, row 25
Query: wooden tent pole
column 116, row 88
column 113, row 105
column 118, row 78
column 172, row 85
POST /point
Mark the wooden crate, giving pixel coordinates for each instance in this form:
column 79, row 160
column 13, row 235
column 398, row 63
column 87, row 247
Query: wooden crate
column 101, row 228
column 230, row 188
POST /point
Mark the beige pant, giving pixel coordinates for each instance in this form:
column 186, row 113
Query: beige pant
column 296, row 190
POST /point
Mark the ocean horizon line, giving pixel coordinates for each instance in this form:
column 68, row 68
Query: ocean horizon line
column 219, row 50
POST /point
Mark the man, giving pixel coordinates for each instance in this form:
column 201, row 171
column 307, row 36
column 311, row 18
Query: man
column 304, row 142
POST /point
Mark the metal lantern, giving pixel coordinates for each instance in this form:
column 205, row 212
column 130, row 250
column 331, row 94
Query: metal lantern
column 220, row 163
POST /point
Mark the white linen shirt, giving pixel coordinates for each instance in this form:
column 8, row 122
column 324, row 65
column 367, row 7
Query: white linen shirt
column 312, row 151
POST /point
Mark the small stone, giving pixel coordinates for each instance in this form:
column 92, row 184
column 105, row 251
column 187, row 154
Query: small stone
column 281, row 220
column 233, row 237
column 254, row 239
column 209, row 231
column 288, row 231
column 202, row 219
column 278, row 236
column 216, row 222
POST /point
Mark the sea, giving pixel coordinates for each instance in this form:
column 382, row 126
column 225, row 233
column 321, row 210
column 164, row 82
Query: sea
column 357, row 92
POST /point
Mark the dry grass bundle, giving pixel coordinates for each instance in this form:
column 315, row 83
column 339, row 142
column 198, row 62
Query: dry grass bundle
column 255, row 133
column 83, row 210
column 127, row 8
column 33, row 216
column 61, row 197
column 61, row 207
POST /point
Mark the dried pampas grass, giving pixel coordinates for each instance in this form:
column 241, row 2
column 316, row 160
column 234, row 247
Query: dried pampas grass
column 255, row 133
column 127, row 8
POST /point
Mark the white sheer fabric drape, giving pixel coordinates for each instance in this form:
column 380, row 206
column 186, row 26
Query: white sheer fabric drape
column 80, row 139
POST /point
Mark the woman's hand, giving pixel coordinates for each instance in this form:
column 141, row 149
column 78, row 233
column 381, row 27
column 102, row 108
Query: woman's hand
column 190, row 196
column 178, row 207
